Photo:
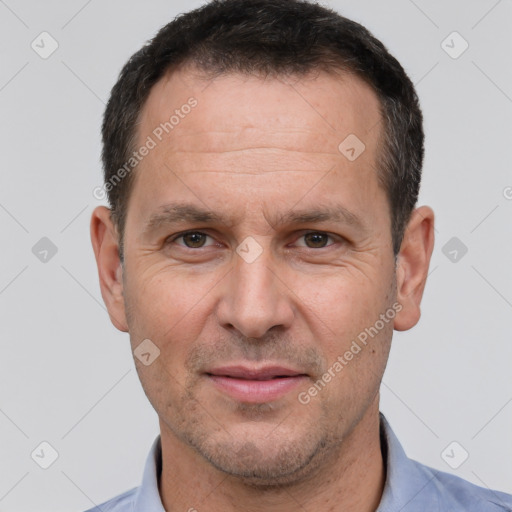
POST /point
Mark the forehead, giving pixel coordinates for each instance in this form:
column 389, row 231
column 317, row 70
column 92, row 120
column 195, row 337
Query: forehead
column 261, row 140
column 324, row 106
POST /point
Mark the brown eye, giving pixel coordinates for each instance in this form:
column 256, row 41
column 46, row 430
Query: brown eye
column 194, row 240
column 316, row 240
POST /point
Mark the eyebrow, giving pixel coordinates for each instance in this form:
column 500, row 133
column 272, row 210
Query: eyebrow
column 178, row 212
column 175, row 213
column 337, row 213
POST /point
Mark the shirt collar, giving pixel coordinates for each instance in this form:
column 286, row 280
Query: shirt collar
column 148, row 495
column 406, row 481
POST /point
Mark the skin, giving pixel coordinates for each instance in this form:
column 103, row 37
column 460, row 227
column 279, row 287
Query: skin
column 253, row 151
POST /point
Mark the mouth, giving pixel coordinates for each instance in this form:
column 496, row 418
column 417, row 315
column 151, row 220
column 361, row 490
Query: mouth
column 255, row 385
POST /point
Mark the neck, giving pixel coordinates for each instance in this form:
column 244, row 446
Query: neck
column 351, row 480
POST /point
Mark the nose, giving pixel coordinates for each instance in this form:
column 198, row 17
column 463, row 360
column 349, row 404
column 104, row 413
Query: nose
column 254, row 299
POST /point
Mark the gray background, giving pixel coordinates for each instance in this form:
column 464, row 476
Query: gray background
column 67, row 376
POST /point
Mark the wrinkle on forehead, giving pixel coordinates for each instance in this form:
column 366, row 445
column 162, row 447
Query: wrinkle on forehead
column 235, row 108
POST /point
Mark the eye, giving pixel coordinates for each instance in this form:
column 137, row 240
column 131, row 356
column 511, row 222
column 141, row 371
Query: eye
column 193, row 240
column 314, row 240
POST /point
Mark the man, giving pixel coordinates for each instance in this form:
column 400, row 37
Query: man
column 262, row 162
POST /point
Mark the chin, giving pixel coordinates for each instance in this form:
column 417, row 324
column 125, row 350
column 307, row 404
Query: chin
column 264, row 460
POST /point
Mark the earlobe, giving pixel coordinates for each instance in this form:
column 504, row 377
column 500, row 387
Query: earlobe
column 105, row 244
column 412, row 266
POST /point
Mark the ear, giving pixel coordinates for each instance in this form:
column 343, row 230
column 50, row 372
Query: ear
column 412, row 266
column 104, row 238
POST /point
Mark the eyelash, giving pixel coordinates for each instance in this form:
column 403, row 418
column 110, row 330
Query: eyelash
column 174, row 238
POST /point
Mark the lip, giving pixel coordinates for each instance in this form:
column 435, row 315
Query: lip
column 255, row 385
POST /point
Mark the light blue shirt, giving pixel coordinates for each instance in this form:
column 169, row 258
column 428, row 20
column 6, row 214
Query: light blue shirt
column 410, row 486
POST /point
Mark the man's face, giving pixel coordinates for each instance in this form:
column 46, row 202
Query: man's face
column 255, row 166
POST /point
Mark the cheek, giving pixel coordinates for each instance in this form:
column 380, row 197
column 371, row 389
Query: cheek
column 169, row 309
column 171, row 312
column 344, row 304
